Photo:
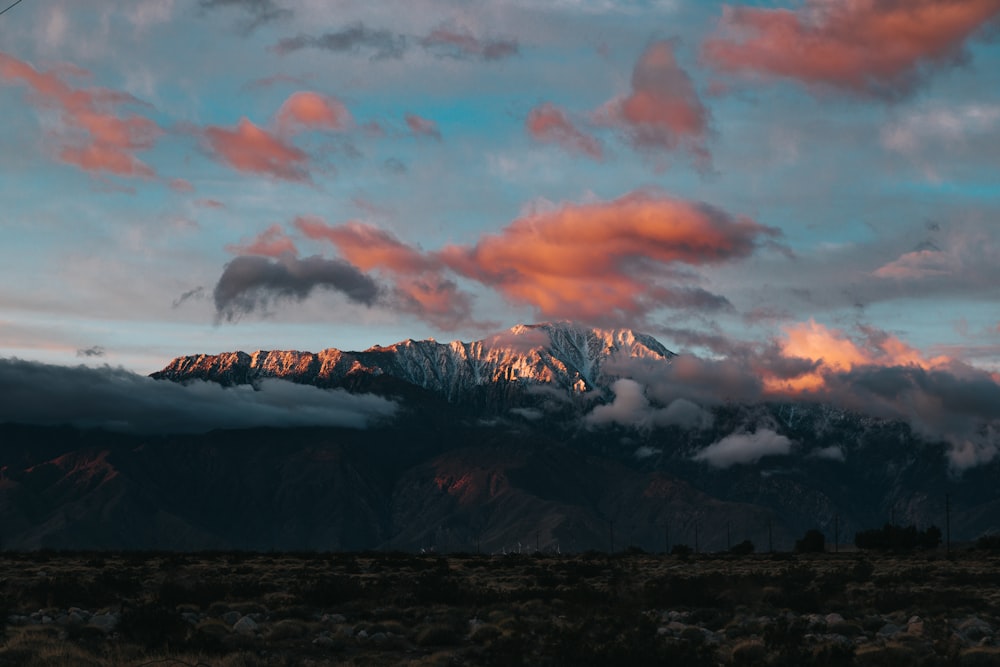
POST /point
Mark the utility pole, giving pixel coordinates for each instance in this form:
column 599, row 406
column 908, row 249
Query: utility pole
column 537, row 543
column 770, row 538
column 729, row 541
column 611, row 524
column 836, row 533
column 696, row 537
column 947, row 524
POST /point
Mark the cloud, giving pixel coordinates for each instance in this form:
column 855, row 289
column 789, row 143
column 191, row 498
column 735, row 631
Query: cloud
column 394, row 166
column 598, row 262
column 605, row 261
column 92, row 135
column 917, row 264
column 251, row 282
column 833, row 351
column 953, row 402
column 422, row 127
column 940, row 128
column 663, row 111
column 879, row 48
column 420, row 288
column 181, row 185
column 632, row 408
column 306, row 110
column 357, row 38
column 272, row 242
column 548, row 123
column 90, row 352
column 252, row 149
column 745, row 448
column 260, row 12
column 119, row 400
column 448, row 42
column 193, row 293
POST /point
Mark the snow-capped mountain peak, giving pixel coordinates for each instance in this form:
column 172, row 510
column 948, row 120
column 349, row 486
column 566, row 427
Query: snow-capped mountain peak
column 558, row 354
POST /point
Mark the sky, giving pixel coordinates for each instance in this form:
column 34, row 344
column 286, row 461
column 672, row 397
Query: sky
column 198, row 176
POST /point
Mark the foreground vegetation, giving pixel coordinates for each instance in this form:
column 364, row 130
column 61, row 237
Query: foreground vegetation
column 237, row 609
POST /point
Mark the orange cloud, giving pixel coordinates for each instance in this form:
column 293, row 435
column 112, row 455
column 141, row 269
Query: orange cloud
column 599, row 261
column 877, row 47
column 309, row 110
column 549, row 124
column 606, row 259
column 368, row 247
column 421, row 288
column 249, row 148
column 422, row 126
column 663, row 111
column 272, row 242
column 833, row 351
column 93, row 137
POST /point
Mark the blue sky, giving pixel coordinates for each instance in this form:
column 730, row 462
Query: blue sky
column 871, row 191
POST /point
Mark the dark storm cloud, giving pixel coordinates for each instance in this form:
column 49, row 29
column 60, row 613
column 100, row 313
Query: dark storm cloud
column 251, row 282
column 116, row 399
column 259, row 11
column 356, row 38
column 93, row 351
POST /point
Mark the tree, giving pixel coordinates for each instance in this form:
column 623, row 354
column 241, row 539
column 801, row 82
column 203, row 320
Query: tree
column 813, row 542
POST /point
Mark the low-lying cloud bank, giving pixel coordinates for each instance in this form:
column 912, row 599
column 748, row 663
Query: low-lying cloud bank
column 870, row 372
column 116, row 399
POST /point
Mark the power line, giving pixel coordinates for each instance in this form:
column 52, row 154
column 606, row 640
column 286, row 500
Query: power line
column 11, row 6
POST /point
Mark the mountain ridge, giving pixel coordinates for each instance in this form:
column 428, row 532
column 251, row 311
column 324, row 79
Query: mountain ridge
column 560, row 354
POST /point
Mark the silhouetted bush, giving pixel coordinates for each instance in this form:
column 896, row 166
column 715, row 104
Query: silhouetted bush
column 988, row 543
column 898, row 538
column 681, row 550
column 744, row 548
column 813, row 542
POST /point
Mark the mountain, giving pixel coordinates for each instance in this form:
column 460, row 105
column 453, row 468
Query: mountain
column 492, row 449
column 558, row 355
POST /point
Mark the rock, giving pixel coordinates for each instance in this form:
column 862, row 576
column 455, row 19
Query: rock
column 362, row 634
column 889, row 630
column 245, row 626
column 379, row 638
column 191, row 617
column 323, row 642
column 106, row 622
column 46, row 619
column 75, row 618
column 334, row 618
column 676, row 627
column 975, row 629
column 832, row 619
column 230, row 617
column 915, row 626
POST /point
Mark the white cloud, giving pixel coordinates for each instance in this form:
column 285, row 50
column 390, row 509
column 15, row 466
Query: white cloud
column 744, row 448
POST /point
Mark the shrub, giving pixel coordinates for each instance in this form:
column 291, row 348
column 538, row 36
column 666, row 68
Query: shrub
column 813, row 542
column 898, row 538
column 744, row 548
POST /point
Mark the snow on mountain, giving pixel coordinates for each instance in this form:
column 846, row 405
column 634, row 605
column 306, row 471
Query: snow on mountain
column 559, row 354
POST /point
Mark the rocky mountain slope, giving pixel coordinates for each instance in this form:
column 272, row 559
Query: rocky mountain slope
column 558, row 355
